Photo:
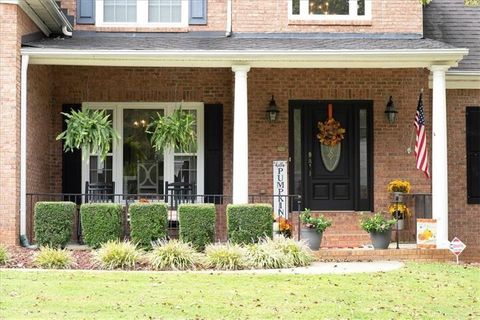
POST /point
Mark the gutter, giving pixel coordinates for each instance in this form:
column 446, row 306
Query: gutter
column 23, row 148
column 59, row 17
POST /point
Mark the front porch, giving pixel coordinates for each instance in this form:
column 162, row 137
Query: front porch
column 236, row 144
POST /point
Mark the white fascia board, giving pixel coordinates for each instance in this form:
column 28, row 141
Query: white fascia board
column 457, row 79
column 254, row 58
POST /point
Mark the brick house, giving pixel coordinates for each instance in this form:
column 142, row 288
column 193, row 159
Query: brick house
column 224, row 60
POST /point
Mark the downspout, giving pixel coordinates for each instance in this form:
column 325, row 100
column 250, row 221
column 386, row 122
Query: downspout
column 23, row 151
column 228, row 32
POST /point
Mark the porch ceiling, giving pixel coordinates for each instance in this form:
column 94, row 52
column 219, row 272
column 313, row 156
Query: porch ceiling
column 187, row 50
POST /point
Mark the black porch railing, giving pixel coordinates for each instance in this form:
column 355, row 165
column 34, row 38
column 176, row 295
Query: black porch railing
column 293, row 203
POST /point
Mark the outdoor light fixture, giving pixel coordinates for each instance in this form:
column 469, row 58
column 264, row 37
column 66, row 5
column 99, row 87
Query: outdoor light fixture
column 391, row 111
column 272, row 111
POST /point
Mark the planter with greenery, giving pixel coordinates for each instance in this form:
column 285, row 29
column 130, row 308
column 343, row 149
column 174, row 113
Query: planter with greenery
column 312, row 229
column 175, row 132
column 89, row 130
column 380, row 229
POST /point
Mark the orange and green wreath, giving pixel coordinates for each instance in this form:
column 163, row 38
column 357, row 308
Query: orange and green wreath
column 331, row 132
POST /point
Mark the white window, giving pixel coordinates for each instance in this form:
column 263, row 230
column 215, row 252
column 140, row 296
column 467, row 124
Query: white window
column 330, row 10
column 132, row 165
column 141, row 13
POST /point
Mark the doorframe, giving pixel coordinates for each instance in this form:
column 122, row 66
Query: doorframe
column 365, row 104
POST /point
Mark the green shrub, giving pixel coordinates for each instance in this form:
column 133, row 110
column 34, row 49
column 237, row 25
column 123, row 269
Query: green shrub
column 101, row 222
column 51, row 258
column 296, row 251
column 264, row 255
column 173, row 255
column 53, row 223
column 3, row 255
column 225, row 257
column 148, row 222
column 197, row 224
column 249, row 223
column 117, row 255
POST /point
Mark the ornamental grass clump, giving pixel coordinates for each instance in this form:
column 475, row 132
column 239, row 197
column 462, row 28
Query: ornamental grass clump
column 173, row 255
column 265, row 255
column 225, row 257
column 51, row 258
column 297, row 252
column 3, row 256
column 117, row 255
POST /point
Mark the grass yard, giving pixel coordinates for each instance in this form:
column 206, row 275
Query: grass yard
column 418, row 291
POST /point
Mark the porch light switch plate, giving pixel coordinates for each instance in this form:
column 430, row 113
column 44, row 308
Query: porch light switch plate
column 281, row 149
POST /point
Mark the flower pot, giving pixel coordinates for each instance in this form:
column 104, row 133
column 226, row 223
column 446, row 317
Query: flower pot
column 312, row 237
column 381, row 240
column 397, row 196
column 400, row 223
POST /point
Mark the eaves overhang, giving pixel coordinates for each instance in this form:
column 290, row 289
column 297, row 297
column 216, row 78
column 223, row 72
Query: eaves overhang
column 253, row 58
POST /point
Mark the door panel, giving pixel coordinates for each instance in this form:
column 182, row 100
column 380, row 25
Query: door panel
column 348, row 185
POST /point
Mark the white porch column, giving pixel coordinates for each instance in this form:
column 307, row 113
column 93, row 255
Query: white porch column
column 240, row 136
column 440, row 155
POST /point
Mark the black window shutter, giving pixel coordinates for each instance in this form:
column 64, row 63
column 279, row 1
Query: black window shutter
column 197, row 12
column 71, row 161
column 213, row 151
column 473, row 154
column 86, row 11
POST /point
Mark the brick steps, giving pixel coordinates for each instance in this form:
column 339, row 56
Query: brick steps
column 403, row 254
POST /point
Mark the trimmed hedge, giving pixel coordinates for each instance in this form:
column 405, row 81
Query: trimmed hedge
column 101, row 222
column 53, row 223
column 148, row 222
column 248, row 223
column 197, row 224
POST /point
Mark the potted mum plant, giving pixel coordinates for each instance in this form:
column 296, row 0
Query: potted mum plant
column 398, row 188
column 400, row 212
column 312, row 228
column 380, row 229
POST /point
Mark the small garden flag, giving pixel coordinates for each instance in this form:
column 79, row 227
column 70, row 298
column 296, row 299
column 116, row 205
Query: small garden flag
column 421, row 152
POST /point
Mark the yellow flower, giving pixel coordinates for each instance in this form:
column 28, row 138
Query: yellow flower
column 399, row 186
column 401, row 207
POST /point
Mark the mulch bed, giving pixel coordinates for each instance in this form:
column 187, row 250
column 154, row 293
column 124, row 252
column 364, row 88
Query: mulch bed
column 23, row 258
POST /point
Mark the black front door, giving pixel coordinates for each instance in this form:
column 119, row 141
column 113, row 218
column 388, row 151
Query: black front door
column 332, row 178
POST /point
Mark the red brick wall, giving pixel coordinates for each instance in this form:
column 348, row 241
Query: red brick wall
column 13, row 24
column 272, row 16
column 464, row 219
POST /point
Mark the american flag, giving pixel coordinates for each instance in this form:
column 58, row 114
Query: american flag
column 421, row 152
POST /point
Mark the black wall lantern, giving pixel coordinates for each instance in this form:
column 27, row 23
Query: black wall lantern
column 272, row 111
column 391, row 111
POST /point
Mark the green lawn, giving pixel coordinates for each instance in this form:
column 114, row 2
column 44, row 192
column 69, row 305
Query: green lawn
column 418, row 291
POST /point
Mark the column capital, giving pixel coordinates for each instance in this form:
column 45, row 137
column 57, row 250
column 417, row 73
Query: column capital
column 438, row 67
column 240, row 67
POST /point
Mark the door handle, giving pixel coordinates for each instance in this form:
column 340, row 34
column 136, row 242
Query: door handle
column 309, row 163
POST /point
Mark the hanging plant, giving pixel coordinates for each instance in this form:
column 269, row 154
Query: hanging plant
column 176, row 132
column 89, row 130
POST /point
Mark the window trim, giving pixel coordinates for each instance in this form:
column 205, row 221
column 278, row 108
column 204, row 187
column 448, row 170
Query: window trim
column 352, row 16
column 117, row 149
column 142, row 17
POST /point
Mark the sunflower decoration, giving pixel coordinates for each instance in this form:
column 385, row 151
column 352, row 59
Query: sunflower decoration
column 331, row 131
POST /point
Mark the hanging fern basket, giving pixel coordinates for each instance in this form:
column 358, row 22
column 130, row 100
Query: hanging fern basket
column 175, row 132
column 89, row 130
